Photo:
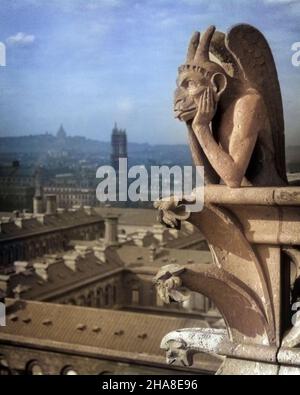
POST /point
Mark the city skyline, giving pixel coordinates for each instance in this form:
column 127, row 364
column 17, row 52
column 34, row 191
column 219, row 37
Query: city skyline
column 88, row 63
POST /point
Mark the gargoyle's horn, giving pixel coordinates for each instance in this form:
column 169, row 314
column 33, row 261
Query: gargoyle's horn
column 202, row 54
column 194, row 44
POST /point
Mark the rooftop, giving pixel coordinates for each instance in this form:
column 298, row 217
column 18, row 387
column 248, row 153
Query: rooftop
column 20, row 225
column 131, row 216
column 140, row 256
column 50, row 275
column 115, row 335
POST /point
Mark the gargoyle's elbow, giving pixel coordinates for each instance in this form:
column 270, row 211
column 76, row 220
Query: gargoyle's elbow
column 234, row 180
column 233, row 184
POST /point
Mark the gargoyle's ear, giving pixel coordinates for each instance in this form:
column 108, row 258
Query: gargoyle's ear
column 219, row 82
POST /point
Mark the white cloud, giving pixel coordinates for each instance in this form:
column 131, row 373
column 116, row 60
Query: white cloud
column 21, row 39
column 125, row 105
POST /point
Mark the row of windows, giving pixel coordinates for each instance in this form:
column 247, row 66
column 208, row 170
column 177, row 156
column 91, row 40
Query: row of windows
column 68, row 190
column 17, row 180
column 79, row 197
column 102, row 297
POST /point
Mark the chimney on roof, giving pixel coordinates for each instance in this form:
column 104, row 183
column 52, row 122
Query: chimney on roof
column 140, row 238
column 71, row 260
column 83, row 250
column 100, row 253
column 52, row 258
column 27, row 214
column 18, row 290
column 152, row 253
column 51, row 205
column 111, row 230
column 38, row 205
column 21, row 266
column 158, row 232
column 4, row 283
column 40, row 218
column 174, row 233
column 77, row 207
column 41, row 269
column 19, row 222
column 88, row 210
column 16, row 213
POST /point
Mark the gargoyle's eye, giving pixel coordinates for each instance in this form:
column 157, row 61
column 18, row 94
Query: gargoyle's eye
column 191, row 84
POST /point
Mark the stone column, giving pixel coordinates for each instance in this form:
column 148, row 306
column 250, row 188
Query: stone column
column 51, row 205
column 254, row 235
column 111, row 230
column 38, row 206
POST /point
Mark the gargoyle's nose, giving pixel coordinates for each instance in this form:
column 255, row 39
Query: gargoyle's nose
column 178, row 95
column 178, row 103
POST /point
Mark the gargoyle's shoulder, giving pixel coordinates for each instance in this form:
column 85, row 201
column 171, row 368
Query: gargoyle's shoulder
column 251, row 98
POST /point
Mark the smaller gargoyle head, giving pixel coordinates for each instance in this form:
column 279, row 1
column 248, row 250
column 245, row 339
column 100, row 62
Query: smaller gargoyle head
column 178, row 352
column 196, row 75
column 169, row 284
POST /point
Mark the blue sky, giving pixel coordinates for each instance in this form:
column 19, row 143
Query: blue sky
column 88, row 63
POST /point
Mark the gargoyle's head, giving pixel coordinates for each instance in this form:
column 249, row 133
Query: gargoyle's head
column 197, row 74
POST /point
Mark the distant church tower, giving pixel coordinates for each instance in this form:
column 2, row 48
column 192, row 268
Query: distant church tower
column 118, row 146
column 61, row 134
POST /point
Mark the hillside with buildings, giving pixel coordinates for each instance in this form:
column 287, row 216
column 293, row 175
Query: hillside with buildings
column 44, row 147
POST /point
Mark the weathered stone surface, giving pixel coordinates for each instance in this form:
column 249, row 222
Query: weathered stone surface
column 233, row 110
column 232, row 99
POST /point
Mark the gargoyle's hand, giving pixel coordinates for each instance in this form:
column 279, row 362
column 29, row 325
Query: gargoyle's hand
column 206, row 109
column 167, row 204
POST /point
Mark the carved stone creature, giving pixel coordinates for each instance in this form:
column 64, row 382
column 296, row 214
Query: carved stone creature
column 177, row 351
column 229, row 96
column 169, row 285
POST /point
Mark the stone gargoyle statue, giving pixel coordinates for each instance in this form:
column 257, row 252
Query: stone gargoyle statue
column 228, row 94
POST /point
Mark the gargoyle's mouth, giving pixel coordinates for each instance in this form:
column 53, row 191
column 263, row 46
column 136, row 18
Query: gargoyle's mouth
column 184, row 115
column 171, row 361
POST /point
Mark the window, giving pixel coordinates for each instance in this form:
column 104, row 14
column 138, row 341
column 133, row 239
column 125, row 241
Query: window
column 34, row 369
column 69, row 371
column 135, row 296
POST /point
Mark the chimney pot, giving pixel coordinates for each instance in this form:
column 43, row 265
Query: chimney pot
column 71, row 260
column 38, row 205
column 4, row 283
column 100, row 253
column 51, row 205
column 21, row 266
column 111, row 230
column 19, row 222
column 83, row 250
column 152, row 253
column 88, row 210
column 41, row 270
